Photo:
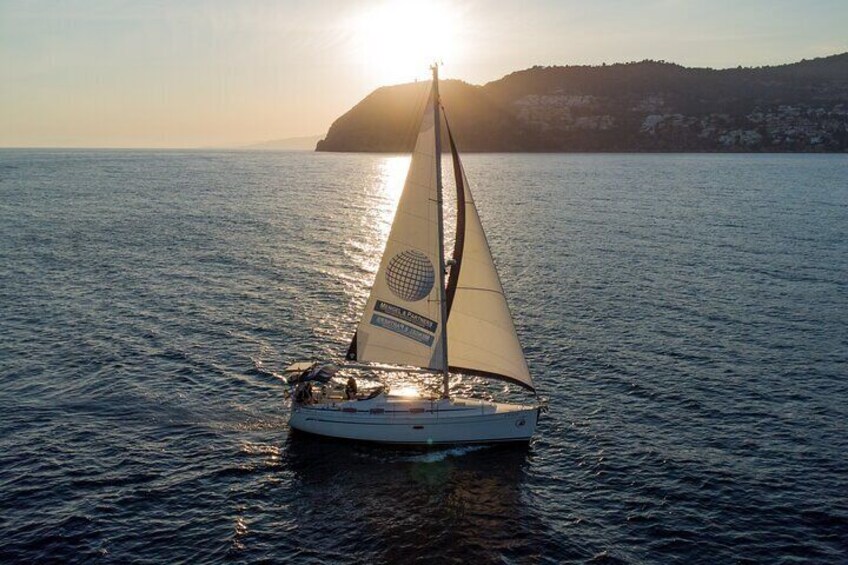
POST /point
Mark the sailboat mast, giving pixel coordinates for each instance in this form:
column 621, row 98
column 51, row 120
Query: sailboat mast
column 441, row 222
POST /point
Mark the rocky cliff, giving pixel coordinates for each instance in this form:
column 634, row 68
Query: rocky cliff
column 644, row 106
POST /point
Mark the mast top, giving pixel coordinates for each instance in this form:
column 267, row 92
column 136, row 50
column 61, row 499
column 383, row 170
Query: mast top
column 435, row 68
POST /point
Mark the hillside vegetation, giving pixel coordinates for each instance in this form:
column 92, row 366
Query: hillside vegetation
column 643, row 106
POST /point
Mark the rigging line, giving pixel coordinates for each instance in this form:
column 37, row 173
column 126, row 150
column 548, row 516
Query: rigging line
column 481, row 289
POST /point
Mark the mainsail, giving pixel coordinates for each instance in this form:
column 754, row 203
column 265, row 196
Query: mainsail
column 402, row 323
column 481, row 335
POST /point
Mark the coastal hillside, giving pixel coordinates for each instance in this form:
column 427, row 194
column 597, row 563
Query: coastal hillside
column 642, row 106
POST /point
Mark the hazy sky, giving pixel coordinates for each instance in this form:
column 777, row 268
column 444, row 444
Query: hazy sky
column 176, row 73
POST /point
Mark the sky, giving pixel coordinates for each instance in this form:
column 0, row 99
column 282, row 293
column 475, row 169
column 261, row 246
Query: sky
column 209, row 73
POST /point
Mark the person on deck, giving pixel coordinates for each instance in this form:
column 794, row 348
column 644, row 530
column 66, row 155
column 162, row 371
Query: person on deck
column 303, row 393
column 350, row 388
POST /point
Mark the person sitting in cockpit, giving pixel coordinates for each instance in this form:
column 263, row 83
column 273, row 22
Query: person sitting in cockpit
column 350, row 388
column 303, row 393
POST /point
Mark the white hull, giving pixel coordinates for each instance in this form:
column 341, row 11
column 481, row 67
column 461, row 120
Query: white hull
column 415, row 421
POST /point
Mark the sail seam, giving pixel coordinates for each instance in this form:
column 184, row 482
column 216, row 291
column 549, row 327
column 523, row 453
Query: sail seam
column 480, row 289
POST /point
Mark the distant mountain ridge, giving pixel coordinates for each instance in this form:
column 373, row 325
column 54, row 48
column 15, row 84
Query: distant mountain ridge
column 303, row 143
column 640, row 106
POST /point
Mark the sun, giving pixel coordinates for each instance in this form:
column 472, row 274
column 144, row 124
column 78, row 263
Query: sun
column 397, row 41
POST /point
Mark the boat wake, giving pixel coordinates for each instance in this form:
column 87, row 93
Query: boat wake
column 441, row 455
column 260, row 370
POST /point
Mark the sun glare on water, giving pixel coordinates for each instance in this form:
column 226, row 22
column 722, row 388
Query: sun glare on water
column 393, row 171
column 398, row 41
column 405, row 390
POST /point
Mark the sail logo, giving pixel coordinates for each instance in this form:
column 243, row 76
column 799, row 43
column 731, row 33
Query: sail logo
column 402, row 329
column 406, row 315
column 410, row 275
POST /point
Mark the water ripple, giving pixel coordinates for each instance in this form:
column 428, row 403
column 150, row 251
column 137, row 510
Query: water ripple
column 685, row 316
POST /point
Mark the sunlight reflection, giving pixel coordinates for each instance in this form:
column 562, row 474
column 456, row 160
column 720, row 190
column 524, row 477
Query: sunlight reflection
column 365, row 244
column 406, row 390
column 392, row 175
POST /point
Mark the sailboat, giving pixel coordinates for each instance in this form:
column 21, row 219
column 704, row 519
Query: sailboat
column 425, row 314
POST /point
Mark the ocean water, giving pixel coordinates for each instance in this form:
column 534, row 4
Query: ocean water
column 686, row 316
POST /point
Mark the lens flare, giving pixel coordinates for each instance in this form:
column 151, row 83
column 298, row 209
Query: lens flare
column 398, row 41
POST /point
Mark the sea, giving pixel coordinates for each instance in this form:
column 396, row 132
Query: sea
column 685, row 318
